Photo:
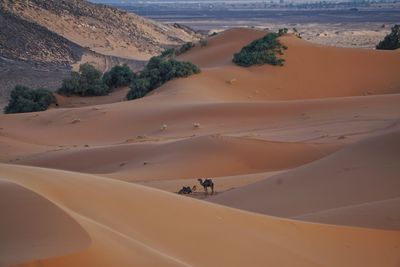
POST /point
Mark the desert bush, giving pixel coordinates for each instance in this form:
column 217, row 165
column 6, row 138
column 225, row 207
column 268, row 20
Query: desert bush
column 24, row 99
column 283, row 31
column 157, row 72
column 139, row 88
column 184, row 48
column 118, row 76
column 168, row 53
column 87, row 82
column 265, row 50
column 213, row 34
column 173, row 52
column 203, row 42
column 392, row 40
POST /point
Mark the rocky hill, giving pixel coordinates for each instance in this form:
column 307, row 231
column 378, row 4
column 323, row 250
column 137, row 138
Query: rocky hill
column 41, row 41
column 101, row 28
column 25, row 40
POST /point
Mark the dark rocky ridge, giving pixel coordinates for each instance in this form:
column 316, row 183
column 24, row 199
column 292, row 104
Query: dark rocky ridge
column 27, row 41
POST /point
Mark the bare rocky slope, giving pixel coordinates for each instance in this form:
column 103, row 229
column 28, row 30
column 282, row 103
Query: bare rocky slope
column 40, row 41
column 101, row 28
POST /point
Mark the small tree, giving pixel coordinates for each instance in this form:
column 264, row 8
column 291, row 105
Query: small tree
column 86, row 82
column 118, row 76
column 24, row 99
column 157, row 72
column 139, row 88
column 265, row 50
column 392, row 40
column 168, row 53
column 203, row 42
column 184, row 48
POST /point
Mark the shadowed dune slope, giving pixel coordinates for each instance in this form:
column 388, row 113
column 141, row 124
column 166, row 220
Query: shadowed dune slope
column 123, row 221
column 32, row 227
column 347, row 187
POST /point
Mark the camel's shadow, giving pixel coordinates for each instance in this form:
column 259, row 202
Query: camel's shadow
column 199, row 195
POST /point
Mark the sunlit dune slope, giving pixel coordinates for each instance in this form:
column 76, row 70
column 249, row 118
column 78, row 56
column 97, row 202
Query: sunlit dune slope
column 310, row 71
column 233, row 138
column 358, row 185
column 135, row 225
column 193, row 157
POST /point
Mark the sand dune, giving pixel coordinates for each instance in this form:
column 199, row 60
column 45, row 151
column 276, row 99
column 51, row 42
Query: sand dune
column 123, row 221
column 31, row 227
column 187, row 158
column 118, row 95
column 140, row 121
column 315, row 140
column 310, row 71
column 360, row 178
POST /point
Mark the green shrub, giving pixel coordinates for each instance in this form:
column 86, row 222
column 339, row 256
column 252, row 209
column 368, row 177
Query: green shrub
column 203, row 42
column 157, row 72
column 118, row 76
column 184, row 48
column 213, row 34
column 392, row 40
column 170, row 53
column 262, row 51
column 24, row 99
column 86, row 82
column 139, row 88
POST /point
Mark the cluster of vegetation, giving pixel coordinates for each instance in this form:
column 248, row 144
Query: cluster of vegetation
column 90, row 82
column 87, row 82
column 158, row 71
column 392, row 40
column 203, row 42
column 265, row 50
column 296, row 33
column 119, row 76
column 173, row 52
column 24, row 99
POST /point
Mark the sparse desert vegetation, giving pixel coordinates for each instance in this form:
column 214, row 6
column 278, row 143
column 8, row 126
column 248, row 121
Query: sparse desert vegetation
column 87, row 82
column 171, row 53
column 392, row 40
column 118, row 76
column 24, row 99
column 157, row 72
column 265, row 50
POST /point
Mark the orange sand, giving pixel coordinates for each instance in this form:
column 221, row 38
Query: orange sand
column 314, row 140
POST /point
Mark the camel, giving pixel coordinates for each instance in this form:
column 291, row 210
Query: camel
column 187, row 190
column 207, row 183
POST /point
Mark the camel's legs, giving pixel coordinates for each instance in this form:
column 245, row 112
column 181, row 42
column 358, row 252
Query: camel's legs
column 212, row 189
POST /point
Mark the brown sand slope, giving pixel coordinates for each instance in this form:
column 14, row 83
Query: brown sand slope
column 310, row 71
column 140, row 121
column 32, row 227
column 194, row 157
column 244, row 131
column 347, row 187
column 117, row 95
column 123, row 221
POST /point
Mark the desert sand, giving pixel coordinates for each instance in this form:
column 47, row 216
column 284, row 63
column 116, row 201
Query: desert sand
column 135, row 225
column 304, row 158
